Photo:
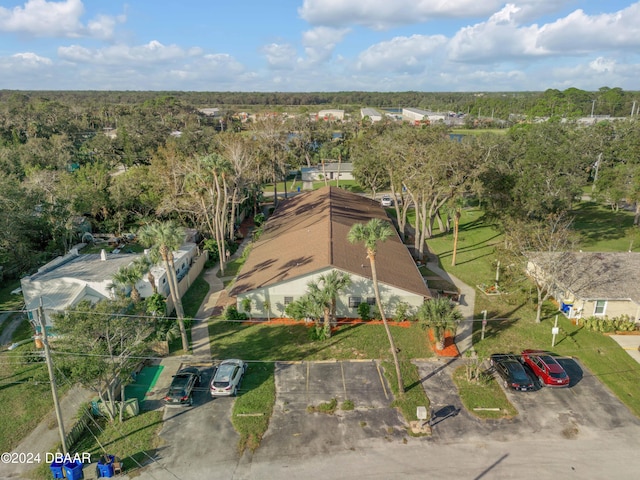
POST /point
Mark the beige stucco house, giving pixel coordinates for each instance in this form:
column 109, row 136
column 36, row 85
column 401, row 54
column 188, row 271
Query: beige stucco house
column 306, row 237
column 585, row 284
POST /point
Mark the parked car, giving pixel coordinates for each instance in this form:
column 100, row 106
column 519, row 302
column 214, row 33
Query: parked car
column 546, row 368
column 227, row 378
column 181, row 388
column 386, row 201
column 510, row 369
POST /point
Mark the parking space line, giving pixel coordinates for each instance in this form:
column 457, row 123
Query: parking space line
column 384, row 389
column 344, row 383
column 307, row 383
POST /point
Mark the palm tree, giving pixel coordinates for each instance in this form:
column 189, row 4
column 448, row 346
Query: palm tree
column 145, row 263
column 322, row 299
column 129, row 276
column 334, row 283
column 325, row 292
column 440, row 314
column 167, row 237
column 370, row 234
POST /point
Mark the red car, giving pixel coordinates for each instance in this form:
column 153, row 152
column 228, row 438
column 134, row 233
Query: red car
column 546, row 368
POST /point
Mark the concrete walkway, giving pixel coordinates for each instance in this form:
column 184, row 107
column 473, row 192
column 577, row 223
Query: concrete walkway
column 200, row 329
column 466, row 305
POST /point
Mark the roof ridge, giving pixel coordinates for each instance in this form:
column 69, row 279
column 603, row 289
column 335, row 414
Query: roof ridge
column 330, row 242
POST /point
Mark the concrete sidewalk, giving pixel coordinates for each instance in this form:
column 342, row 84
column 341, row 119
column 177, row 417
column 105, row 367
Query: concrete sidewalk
column 630, row 343
column 466, row 305
column 46, row 436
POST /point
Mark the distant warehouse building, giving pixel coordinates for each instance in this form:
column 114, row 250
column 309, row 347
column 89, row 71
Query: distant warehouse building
column 416, row 115
column 331, row 114
column 371, row 113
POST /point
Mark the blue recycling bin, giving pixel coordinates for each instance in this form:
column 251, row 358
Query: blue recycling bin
column 105, row 466
column 56, row 469
column 73, row 470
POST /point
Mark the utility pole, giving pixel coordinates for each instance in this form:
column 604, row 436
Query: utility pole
column 52, row 378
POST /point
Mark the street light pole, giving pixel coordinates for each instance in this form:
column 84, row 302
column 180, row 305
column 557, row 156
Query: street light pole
column 52, row 378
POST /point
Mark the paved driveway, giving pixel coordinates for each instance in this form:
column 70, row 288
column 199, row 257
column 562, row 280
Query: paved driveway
column 197, row 441
column 295, row 431
column 585, row 409
column 553, row 425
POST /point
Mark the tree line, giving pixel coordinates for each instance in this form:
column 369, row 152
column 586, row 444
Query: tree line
column 121, row 164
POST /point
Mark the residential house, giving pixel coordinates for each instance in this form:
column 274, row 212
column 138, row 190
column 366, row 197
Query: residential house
column 326, row 170
column 585, row 284
column 307, row 237
column 74, row 277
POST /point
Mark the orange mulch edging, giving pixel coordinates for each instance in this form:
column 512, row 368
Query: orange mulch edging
column 341, row 322
column 449, row 350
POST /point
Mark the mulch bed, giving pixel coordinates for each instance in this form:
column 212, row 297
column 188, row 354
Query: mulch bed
column 342, row 321
column 449, row 350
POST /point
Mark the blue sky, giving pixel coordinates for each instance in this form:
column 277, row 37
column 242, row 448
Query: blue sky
column 319, row 45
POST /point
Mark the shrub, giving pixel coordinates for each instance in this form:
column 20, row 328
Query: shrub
column 622, row 323
column 259, row 219
column 232, row 313
column 364, row 311
column 403, row 312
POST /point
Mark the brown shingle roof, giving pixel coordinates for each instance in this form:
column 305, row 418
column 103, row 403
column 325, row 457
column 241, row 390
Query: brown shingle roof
column 598, row 275
column 309, row 232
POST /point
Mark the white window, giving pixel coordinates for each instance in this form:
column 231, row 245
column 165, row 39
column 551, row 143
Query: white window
column 354, row 302
column 601, row 306
column 288, row 300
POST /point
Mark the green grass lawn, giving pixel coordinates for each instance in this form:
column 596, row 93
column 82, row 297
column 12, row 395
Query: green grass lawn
column 511, row 318
column 481, row 398
column 603, row 230
column 133, row 441
column 20, row 379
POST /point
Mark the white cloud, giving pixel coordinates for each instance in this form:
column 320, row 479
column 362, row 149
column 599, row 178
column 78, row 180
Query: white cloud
column 279, row 55
column 42, row 18
column 320, row 42
column 579, row 32
column 30, row 59
column 499, row 38
column 152, row 52
column 381, row 14
column 504, row 37
column 401, row 54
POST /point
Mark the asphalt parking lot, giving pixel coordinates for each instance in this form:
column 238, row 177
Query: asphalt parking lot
column 293, row 430
column 200, row 441
column 586, row 408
